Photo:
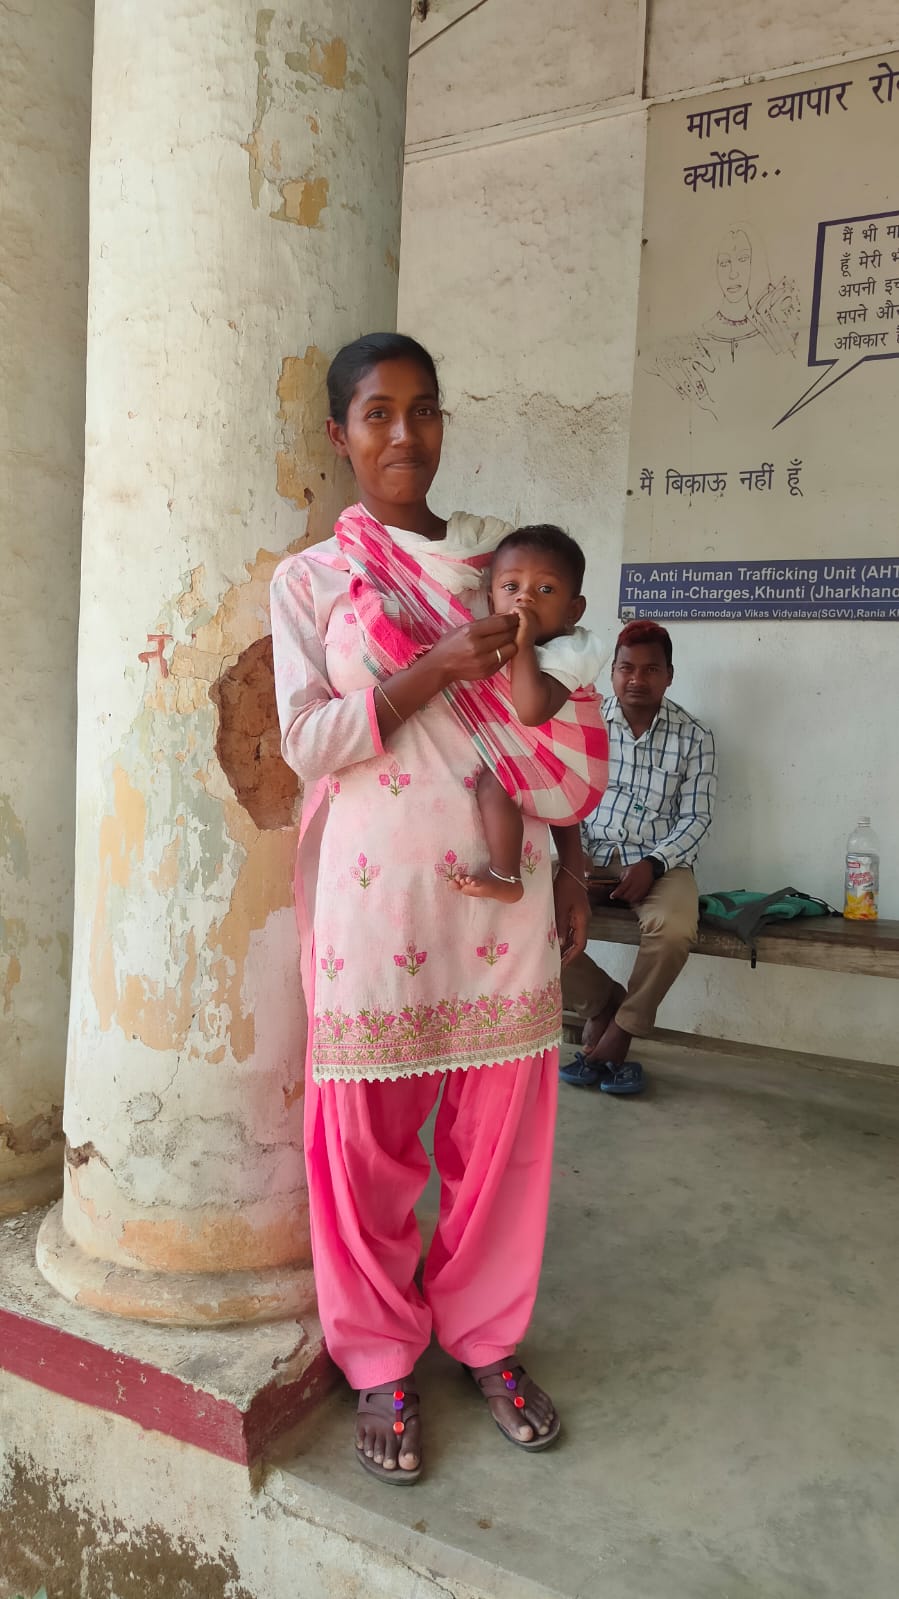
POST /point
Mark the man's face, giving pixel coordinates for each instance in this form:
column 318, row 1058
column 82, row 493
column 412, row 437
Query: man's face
column 640, row 677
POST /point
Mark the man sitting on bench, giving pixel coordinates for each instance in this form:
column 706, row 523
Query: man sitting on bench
column 646, row 835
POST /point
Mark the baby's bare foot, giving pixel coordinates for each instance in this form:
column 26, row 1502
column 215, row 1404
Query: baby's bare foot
column 486, row 886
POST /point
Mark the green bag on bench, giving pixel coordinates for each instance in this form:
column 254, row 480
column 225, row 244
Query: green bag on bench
column 743, row 911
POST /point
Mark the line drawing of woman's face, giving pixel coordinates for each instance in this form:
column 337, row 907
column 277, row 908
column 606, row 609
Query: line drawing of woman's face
column 734, row 265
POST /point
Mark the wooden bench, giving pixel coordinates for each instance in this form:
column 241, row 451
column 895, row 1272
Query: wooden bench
column 826, row 943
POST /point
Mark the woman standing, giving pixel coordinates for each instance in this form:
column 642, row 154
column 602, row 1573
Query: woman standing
column 416, row 993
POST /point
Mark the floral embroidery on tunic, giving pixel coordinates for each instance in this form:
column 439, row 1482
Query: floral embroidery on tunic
column 331, row 963
column 454, row 1032
column 451, row 868
column 394, row 779
column 491, row 951
column 530, row 858
column 412, row 959
column 364, row 873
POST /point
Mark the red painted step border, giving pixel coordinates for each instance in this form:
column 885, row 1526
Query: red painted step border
column 108, row 1380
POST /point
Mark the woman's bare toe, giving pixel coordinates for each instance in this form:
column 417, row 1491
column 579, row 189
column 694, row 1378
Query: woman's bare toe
column 388, row 1430
column 520, row 1409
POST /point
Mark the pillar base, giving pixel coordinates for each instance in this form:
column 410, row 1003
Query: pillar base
column 230, row 1391
column 28, row 1193
column 189, row 1299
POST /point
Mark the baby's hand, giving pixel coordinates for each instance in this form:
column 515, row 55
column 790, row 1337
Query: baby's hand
column 527, row 627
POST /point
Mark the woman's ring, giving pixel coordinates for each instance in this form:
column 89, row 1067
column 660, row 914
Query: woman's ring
column 499, row 656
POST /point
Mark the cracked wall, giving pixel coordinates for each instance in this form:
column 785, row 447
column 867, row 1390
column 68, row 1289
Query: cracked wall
column 310, row 476
column 97, row 1510
column 248, row 742
column 293, row 58
column 44, row 137
column 53, row 1541
column 199, row 843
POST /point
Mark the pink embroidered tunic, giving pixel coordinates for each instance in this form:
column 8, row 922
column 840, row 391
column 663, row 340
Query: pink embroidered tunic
column 402, row 973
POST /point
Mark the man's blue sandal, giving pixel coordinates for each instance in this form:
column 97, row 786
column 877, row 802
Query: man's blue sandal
column 581, row 1073
column 608, row 1076
column 625, row 1079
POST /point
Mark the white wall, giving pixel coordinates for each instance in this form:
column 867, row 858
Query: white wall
column 519, row 268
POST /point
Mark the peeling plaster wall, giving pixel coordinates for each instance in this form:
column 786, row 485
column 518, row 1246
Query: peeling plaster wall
column 95, row 1509
column 245, row 192
column 44, row 135
column 519, row 268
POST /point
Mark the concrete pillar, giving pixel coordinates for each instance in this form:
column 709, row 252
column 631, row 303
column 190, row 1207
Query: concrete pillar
column 45, row 76
column 245, row 210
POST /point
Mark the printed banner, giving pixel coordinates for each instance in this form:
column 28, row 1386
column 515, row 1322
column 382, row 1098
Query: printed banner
column 850, row 590
column 765, row 392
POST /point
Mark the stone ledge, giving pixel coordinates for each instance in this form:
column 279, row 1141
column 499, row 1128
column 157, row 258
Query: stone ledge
column 228, row 1390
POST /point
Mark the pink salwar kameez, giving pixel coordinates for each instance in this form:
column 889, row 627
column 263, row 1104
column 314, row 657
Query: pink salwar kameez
column 415, row 993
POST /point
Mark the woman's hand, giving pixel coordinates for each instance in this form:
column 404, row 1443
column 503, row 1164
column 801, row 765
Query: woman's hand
column 474, row 651
column 572, row 915
column 462, row 655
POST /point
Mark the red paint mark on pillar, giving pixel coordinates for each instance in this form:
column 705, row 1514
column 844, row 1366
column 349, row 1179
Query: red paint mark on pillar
column 158, row 654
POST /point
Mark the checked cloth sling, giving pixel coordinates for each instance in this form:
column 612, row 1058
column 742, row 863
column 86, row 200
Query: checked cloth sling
column 556, row 772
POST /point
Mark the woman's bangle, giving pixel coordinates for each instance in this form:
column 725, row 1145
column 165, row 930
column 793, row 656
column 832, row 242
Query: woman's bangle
column 582, row 881
column 390, row 703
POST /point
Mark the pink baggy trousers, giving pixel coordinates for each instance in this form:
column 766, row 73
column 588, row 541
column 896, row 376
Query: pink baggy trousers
column 366, row 1166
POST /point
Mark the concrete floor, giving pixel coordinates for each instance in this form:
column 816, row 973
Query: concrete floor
column 718, row 1323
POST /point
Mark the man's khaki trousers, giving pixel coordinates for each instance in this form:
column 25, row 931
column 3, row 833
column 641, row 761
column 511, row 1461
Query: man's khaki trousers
column 668, row 919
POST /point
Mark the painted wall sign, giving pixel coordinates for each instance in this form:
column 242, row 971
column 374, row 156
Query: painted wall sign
column 848, row 590
column 766, row 374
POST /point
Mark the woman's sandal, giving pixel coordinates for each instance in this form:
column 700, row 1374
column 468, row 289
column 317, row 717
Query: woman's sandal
column 394, row 1403
column 506, row 1379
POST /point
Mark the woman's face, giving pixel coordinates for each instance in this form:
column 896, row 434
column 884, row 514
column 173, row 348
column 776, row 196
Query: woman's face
column 734, row 266
column 392, row 435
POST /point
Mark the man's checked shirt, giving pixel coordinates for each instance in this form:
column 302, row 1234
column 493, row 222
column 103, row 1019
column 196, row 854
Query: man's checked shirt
column 661, row 791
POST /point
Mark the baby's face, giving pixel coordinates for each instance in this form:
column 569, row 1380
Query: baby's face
column 536, row 580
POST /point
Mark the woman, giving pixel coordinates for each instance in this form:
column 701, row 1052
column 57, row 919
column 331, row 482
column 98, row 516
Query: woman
column 753, row 314
column 415, row 993
column 751, row 306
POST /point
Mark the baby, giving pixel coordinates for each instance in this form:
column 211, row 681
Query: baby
column 537, row 573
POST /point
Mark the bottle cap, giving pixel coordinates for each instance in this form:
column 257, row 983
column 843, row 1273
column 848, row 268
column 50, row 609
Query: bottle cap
column 864, row 821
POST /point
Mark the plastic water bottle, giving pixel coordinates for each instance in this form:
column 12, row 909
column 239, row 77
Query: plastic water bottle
column 862, row 873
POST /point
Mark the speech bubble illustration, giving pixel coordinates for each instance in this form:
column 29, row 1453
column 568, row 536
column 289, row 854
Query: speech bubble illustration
column 855, row 304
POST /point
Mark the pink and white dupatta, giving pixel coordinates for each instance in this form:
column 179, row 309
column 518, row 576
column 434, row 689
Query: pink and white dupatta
column 556, row 772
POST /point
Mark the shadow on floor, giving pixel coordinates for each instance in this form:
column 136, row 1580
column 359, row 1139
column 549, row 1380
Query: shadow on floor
column 717, row 1323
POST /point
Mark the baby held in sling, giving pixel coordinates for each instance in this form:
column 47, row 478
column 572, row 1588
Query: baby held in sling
column 537, row 723
column 537, row 575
